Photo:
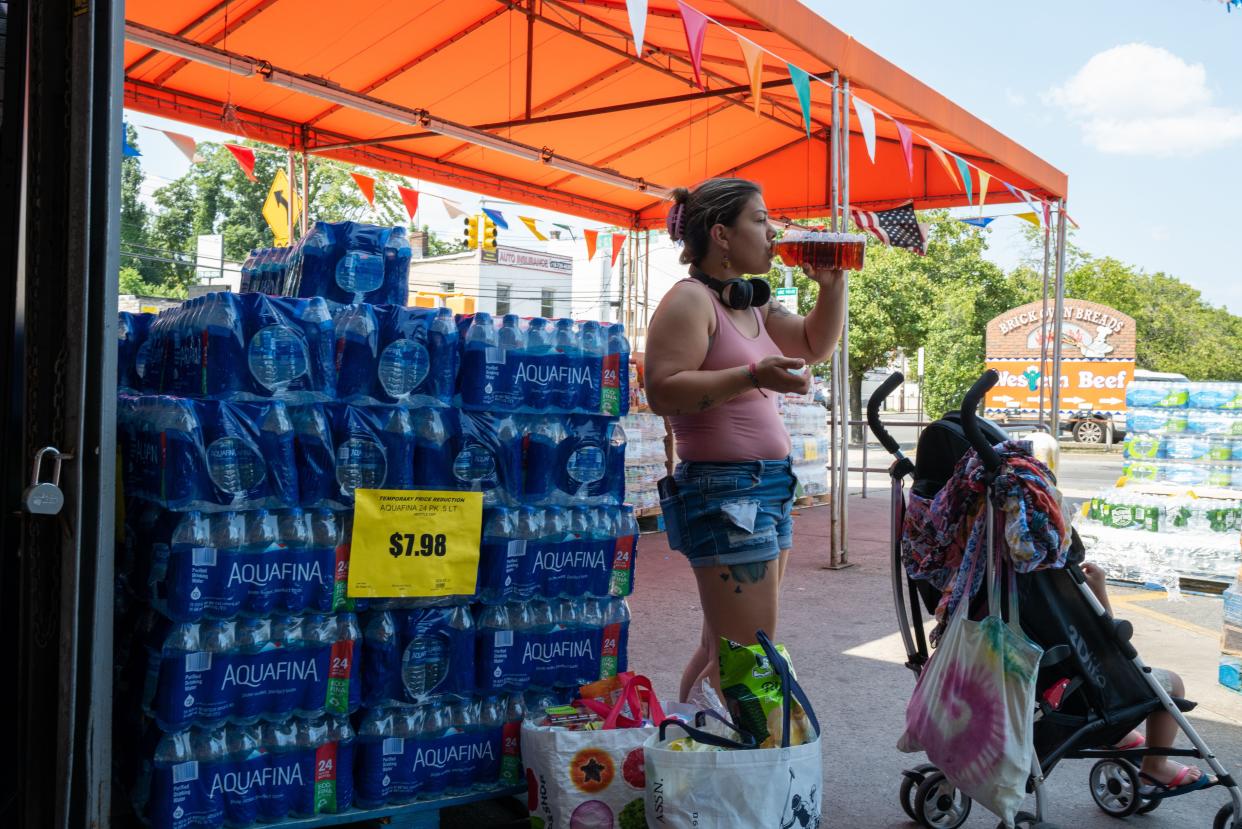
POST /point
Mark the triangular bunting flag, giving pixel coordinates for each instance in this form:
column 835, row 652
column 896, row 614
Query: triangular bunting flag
column 866, row 123
column 453, row 208
column 907, row 145
column 1047, row 214
column 753, row 56
column 1029, row 217
column 496, row 216
column 245, row 159
column 530, row 225
column 128, row 151
column 984, row 180
column 568, row 229
column 638, row 22
column 367, row 185
column 982, row 221
column 944, row 162
column 1070, row 219
column 964, row 169
column 802, row 85
column 410, row 199
column 592, row 236
column 618, row 239
column 695, row 25
column 187, row 145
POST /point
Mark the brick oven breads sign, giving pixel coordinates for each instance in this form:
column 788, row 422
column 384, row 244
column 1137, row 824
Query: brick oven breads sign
column 1097, row 358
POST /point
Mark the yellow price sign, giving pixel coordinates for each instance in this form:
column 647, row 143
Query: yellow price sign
column 414, row 543
column 810, row 449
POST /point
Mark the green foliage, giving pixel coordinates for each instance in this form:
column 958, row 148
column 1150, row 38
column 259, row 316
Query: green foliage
column 132, row 282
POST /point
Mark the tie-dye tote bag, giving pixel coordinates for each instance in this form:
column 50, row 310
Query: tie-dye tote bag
column 973, row 708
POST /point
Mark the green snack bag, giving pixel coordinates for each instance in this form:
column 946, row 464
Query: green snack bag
column 752, row 689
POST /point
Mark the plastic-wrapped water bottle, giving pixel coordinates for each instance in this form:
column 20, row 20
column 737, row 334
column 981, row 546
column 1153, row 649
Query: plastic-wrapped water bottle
column 591, row 350
column 463, row 729
column 547, row 667
column 260, row 560
column 495, row 640
column 480, row 364
column 405, row 362
column 535, row 387
column 581, row 522
column 614, row 473
column 511, row 341
column 542, row 451
column 398, row 439
column 495, row 578
column 493, row 715
column 566, row 366
column 433, row 450
column 431, row 767
column 315, row 457
column 361, row 461
column 511, row 754
column 442, row 345
column 357, row 352
column 162, row 441
column 616, row 372
column 252, row 637
column 511, row 438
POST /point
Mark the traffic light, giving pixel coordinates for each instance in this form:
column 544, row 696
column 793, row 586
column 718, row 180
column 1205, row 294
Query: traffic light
column 472, row 232
column 489, row 234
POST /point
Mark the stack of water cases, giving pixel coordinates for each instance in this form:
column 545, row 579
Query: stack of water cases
column 1185, row 434
column 808, row 442
column 238, row 665
column 247, row 423
column 1230, row 671
column 646, row 456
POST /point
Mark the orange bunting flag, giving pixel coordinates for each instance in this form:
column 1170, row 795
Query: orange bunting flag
column 530, row 225
column 367, row 185
column 187, row 145
column 245, row 159
column 753, row 56
column 592, row 236
column 410, row 199
column 984, row 180
column 695, row 24
column 944, row 162
column 618, row 239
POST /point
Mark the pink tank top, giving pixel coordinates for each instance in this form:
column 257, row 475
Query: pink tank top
column 746, row 428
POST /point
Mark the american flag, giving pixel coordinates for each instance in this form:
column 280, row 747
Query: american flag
column 897, row 227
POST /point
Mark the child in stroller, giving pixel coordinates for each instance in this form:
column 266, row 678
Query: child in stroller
column 1092, row 688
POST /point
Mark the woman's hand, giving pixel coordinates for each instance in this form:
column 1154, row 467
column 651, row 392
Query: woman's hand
column 773, row 373
column 825, row 277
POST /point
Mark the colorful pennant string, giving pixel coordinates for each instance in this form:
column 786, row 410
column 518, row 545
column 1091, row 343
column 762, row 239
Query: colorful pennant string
column 410, row 199
column 866, row 123
column 367, row 185
column 618, row 241
column 591, row 236
column 530, row 225
column 496, row 216
column 245, row 159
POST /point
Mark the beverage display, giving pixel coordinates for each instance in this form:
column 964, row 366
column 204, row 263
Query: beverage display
column 247, row 424
column 817, row 249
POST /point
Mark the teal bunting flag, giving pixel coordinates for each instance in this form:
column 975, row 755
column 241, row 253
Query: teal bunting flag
column 802, row 85
column 964, row 169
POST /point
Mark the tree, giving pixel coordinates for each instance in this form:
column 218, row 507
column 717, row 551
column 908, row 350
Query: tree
column 134, row 214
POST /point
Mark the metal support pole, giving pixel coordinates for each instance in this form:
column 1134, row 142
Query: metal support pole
column 290, row 177
column 846, row 409
column 305, row 205
column 1060, row 312
column 1043, row 331
column 835, row 460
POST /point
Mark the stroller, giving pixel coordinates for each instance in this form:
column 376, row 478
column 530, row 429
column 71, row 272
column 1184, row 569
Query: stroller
column 1092, row 687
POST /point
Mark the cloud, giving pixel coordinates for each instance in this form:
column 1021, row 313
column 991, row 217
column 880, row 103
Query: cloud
column 1016, row 99
column 1138, row 99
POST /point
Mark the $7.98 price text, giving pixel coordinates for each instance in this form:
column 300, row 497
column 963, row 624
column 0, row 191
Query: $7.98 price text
column 412, row 544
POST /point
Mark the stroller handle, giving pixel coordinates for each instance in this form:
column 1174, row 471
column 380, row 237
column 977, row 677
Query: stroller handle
column 873, row 411
column 970, row 403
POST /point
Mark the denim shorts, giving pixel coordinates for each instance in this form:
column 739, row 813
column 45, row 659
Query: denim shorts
column 737, row 512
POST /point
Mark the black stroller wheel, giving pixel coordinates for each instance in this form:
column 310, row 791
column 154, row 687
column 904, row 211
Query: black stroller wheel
column 1224, row 818
column 938, row 804
column 910, row 780
column 1115, row 788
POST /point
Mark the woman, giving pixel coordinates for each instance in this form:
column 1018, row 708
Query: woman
column 718, row 355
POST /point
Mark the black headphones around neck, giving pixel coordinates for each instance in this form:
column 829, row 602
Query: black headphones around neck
column 743, row 293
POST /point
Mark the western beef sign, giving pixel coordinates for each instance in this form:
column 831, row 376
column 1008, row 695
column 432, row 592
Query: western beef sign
column 1097, row 358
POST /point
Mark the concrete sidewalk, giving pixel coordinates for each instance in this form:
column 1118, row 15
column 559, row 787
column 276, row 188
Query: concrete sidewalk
column 841, row 630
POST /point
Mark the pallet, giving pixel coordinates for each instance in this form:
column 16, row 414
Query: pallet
column 650, row 521
column 423, row 814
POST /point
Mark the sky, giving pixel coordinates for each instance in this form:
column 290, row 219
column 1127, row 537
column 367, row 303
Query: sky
column 1131, row 100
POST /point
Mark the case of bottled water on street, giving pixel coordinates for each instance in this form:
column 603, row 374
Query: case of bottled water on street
column 350, row 262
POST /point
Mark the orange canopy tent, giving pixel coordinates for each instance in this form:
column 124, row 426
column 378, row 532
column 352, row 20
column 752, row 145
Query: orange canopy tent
column 547, row 102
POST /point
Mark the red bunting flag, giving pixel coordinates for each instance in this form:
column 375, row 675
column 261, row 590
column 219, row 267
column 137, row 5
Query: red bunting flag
column 695, row 25
column 591, row 237
column 618, row 239
column 367, row 185
column 245, row 159
column 410, row 198
column 907, row 145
